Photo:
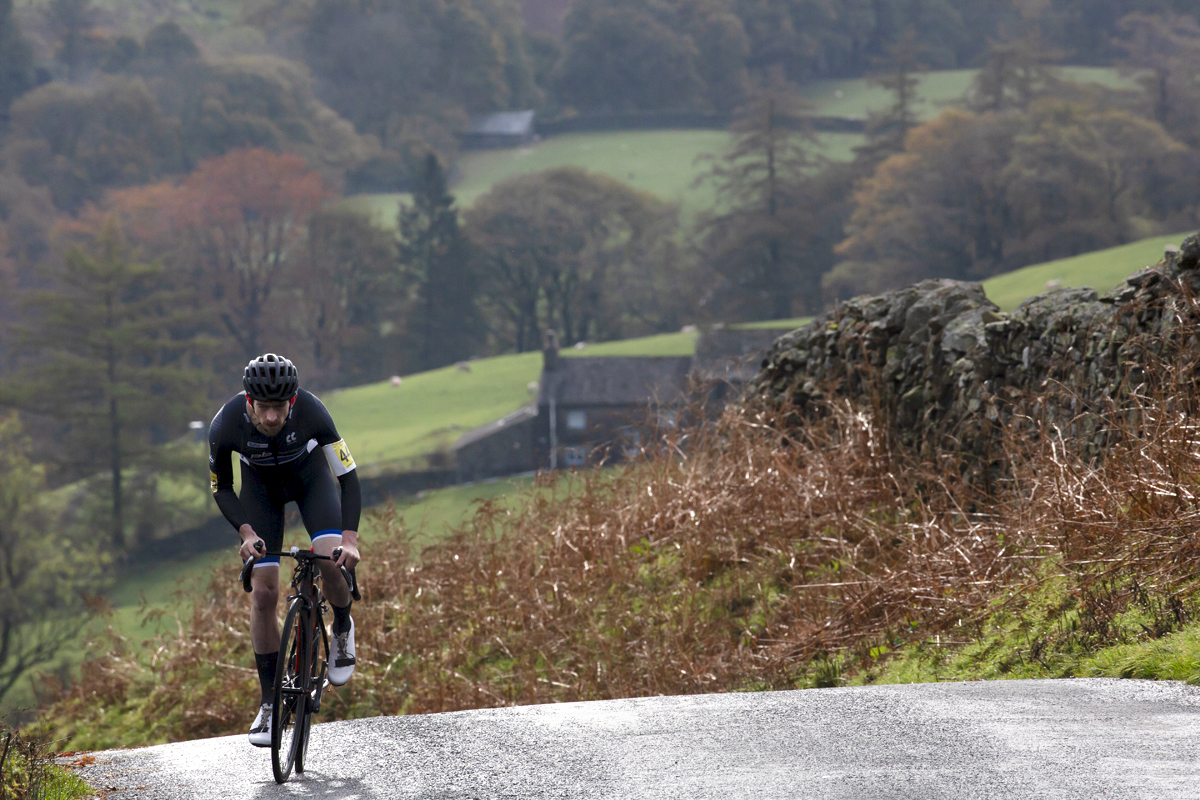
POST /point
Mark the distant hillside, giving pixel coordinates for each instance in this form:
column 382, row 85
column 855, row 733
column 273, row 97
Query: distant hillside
column 666, row 163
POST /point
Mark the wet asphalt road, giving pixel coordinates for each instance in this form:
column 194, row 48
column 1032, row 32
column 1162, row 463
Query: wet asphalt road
column 1003, row 739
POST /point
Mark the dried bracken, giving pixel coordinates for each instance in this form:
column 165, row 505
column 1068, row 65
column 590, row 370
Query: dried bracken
column 743, row 552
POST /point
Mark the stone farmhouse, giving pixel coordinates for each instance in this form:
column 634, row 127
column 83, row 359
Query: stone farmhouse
column 600, row 409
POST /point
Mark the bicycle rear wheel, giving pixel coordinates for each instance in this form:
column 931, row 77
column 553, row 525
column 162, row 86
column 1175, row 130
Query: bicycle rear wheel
column 316, row 670
column 292, row 686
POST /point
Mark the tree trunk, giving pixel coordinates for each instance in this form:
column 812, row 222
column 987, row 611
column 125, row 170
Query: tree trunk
column 118, row 518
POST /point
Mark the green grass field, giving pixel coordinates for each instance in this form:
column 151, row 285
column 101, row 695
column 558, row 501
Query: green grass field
column 665, row 164
column 664, row 344
column 855, row 99
column 1101, row 270
column 387, row 425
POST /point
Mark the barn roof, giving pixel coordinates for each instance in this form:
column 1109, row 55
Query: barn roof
column 615, row 380
column 502, row 123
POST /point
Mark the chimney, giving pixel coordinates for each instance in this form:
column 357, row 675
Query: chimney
column 550, row 352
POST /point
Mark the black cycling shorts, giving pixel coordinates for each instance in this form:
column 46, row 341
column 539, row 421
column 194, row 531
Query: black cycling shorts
column 313, row 489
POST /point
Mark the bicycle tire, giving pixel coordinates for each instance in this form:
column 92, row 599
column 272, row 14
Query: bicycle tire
column 292, row 686
column 316, row 673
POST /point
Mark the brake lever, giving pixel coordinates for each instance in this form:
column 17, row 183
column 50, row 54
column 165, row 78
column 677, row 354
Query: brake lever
column 248, row 568
column 347, row 574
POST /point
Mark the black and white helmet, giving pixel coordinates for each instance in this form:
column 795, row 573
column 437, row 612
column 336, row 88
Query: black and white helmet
column 270, row 377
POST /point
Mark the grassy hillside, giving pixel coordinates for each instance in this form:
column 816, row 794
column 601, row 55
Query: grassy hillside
column 662, row 163
column 219, row 25
column 854, row 99
column 388, row 426
column 1100, row 270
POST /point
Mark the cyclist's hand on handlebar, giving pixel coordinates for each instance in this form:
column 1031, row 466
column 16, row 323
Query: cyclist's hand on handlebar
column 348, row 556
column 252, row 546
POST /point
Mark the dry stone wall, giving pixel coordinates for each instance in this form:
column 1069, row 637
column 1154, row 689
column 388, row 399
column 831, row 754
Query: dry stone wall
column 946, row 367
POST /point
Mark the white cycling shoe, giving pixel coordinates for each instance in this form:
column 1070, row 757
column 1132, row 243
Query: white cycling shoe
column 341, row 656
column 260, row 731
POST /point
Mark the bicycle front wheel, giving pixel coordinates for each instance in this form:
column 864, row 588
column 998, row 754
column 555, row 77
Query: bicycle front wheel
column 292, row 686
column 316, row 685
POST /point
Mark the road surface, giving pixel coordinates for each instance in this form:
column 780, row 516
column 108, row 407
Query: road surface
column 1093, row 738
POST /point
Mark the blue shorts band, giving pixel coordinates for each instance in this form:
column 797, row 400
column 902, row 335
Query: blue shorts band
column 273, row 561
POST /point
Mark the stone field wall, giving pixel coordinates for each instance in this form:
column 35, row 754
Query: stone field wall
column 946, row 367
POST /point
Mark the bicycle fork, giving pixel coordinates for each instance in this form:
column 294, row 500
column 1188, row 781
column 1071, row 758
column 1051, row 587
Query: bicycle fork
column 316, row 640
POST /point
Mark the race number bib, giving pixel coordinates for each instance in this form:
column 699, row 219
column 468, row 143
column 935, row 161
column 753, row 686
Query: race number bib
column 339, row 458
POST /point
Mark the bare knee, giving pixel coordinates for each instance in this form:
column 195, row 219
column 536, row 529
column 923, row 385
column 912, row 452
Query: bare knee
column 265, row 597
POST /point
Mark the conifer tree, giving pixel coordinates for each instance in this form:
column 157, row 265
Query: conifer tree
column 887, row 130
column 445, row 324
column 759, row 239
column 105, row 362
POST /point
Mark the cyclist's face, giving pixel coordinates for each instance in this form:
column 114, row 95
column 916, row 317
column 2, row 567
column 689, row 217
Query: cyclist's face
column 268, row 416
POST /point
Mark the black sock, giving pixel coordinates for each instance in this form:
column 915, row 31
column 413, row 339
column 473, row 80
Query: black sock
column 267, row 663
column 341, row 617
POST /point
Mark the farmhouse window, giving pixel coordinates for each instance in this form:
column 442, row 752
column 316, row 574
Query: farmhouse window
column 576, row 420
column 574, row 456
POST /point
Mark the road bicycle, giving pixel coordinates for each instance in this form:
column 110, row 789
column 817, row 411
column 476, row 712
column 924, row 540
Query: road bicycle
column 300, row 679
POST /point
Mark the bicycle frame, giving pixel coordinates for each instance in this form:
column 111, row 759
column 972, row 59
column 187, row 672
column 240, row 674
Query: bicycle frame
column 300, row 677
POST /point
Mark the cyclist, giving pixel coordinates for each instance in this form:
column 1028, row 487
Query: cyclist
column 289, row 451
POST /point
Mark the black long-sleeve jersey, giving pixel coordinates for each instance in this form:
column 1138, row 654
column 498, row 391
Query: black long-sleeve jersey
column 284, row 459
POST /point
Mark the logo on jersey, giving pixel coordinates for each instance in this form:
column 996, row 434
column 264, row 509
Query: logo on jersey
column 290, row 438
column 212, row 480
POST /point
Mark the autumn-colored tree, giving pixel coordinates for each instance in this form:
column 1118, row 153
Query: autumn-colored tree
column 345, row 298
column 1166, row 49
column 245, row 214
column 973, row 195
column 381, row 61
column 624, row 57
column 1015, row 73
column 576, row 252
column 1076, row 161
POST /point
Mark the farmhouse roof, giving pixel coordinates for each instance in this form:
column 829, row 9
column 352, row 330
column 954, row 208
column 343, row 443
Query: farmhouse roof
column 615, row 380
column 483, row 431
column 734, row 353
column 502, row 123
